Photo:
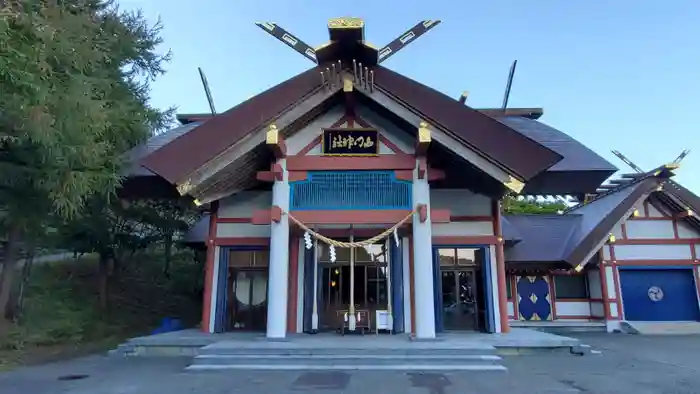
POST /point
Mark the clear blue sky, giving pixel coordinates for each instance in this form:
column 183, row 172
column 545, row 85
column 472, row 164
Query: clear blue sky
column 619, row 74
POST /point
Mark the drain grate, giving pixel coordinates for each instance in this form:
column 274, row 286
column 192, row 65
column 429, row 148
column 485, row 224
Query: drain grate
column 73, row 377
column 435, row 383
column 322, row 381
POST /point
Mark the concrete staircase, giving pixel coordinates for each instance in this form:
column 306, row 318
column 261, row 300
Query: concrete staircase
column 561, row 326
column 418, row 356
column 660, row 328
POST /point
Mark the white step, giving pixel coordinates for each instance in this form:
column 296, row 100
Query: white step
column 346, row 367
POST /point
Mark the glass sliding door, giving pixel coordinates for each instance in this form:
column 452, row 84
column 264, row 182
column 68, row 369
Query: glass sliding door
column 247, row 290
column 462, row 295
column 370, row 287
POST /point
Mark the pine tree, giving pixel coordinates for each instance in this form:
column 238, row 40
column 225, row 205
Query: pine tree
column 74, row 83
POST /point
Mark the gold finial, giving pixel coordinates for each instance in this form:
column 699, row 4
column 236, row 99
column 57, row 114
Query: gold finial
column 514, row 184
column 346, row 23
column 185, row 187
column 578, row 268
column 424, row 132
column 611, row 238
column 672, row 166
column 197, row 202
column 272, row 136
column 635, row 213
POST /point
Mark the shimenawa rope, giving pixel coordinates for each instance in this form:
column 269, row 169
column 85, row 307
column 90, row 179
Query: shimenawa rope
column 358, row 244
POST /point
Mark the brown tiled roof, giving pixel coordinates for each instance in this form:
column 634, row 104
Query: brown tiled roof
column 192, row 150
column 497, row 141
column 599, row 217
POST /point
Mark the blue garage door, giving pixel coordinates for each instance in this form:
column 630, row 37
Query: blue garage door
column 659, row 295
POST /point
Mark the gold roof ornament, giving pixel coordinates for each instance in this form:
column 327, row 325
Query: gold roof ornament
column 185, row 187
column 347, row 84
column 272, row 136
column 424, row 132
column 346, row 23
column 514, row 184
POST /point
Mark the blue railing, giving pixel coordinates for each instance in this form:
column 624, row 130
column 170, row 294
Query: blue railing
column 350, row 190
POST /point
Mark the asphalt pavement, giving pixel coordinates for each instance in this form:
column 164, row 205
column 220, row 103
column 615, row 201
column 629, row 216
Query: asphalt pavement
column 620, row 364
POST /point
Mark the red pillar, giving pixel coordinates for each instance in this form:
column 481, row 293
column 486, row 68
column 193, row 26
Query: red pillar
column 209, row 267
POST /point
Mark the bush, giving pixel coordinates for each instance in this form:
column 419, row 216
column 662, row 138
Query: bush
column 62, row 305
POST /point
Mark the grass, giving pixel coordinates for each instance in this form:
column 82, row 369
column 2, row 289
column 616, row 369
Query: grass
column 62, row 317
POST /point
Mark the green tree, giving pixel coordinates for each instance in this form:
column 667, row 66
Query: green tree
column 75, row 80
column 512, row 205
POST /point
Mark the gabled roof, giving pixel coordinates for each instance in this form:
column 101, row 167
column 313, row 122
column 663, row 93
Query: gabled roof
column 509, row 232
column 518, row 154
column 580, row 171
column 139, row 152
column 576, row 235
column 190, row 151
column 546, row 237
column 600, row 216
column 576, row 156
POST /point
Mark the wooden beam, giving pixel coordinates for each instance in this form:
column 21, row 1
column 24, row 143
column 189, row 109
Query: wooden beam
column 435, row 174
column 267, row 216
column 684, row 214
column 275, row 174
column 440, row 215
column 422, row 168
column 341, row 163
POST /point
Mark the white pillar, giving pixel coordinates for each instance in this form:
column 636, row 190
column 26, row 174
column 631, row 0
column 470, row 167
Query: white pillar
column 424, row 294
column 279, row 261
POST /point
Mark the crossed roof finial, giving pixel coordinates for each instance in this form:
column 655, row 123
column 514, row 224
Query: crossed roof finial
column 347, row 39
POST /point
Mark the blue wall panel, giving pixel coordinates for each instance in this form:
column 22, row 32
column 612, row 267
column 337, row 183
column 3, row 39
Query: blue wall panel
column 437, row 291
column 534, row 300
column 350, row 190
column 659, row 294
column 490, row 318
column 396, row 264
column 221, row 291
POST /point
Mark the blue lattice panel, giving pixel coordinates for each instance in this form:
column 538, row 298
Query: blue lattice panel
column 534, row 300
column 350, row 190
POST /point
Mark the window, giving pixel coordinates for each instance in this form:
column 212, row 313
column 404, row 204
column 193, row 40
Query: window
column 568, row 287
column 463, row 257
column 248, row 258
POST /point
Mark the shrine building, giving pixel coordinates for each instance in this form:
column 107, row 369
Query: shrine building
column 352, row 198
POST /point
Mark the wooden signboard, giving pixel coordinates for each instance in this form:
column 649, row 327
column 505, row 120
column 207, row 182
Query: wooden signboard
column 350, row 142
